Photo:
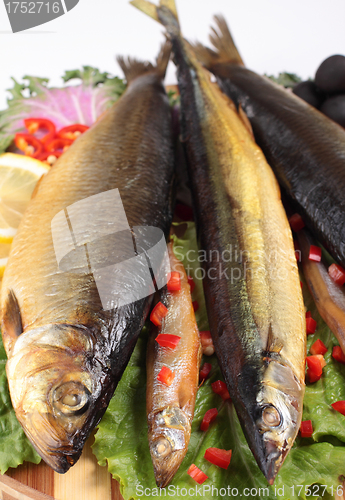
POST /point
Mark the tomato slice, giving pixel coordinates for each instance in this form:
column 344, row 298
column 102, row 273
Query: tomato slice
column 337, row 273
column 318, row 347
column 209, row 417
column 168, row 340
column 158, row 313
column 166, row 376
column 174, row 282
column 198, row 475
column 339, row 406
column 306, row 429
column 218, row 457
column 205, row 371
column 220, row 388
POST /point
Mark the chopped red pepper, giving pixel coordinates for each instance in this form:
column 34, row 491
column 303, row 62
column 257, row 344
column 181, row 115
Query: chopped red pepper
column 34, row 124
column 195, row 305
column 338, row 354
column 184, row 212
column 166, row 376
column 318, row 347
column 306, row 429
column 301, row 284
column 337, row 273
column 158, row 313
column 314, row 368
column 174, row 282
column 191, row 283
column 296, row 222
column 168, row 340
column 50, row 157
column 58, row 144
column 206, row 343
column 205, row 371
column 29, row 144
column 339, row 406
column 311, row 325
column 209, row 417
column 218, row 457
column 72, row 132
column 220, row 388
column 308, row 314
column 315, row 253
column 197, row 474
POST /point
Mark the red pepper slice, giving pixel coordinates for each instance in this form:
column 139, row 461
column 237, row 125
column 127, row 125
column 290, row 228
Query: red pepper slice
column 197, row 474
column 206, row 343
column 72, row 132
column 311, row 325
column 58, row 144
column 315, row 253
column 209, row 417
column 306, row 429
column 29, row 144
column 174, row 282
column 314, row 371
column 205, row 371
column 191, row 283
column 158, row 313
column 337, row 273
column 195, row 305
column 50, row 157
column 220, row 388
column 34, row 124
column 166, row 376
column 338, row 354
column 339, row 406
column 218, row 457
column 168, row 340
column 296, row 222
column 318, row 347
column 184, row 212
column 308, row 314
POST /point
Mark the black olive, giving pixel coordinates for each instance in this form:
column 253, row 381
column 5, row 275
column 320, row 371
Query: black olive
column 330, row 76
column 309, row 93
column 334, row 108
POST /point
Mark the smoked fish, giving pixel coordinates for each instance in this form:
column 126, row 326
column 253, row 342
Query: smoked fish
column 303, row 146
column 71, row 313
column 252, row 289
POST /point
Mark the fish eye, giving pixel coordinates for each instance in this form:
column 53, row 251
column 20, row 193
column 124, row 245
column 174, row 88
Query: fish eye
column 161, row 448
column 271, row 416
column 71, row 398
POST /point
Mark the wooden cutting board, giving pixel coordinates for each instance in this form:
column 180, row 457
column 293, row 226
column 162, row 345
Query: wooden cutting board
column 86, row 480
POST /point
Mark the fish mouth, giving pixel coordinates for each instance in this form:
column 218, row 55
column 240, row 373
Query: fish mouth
column 165, row 467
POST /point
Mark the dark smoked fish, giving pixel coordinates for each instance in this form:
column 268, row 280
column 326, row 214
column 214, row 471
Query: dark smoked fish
column 67, row 344
column 253, row 297
column 305, row 148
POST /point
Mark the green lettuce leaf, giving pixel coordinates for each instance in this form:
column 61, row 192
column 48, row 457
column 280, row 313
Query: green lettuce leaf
column 121, row 440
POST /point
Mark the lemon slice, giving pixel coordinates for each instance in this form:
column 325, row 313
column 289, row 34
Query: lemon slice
column 18, row 177
column 4, row 253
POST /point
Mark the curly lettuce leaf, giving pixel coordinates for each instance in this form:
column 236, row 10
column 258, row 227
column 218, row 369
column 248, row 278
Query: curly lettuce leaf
column 314, row 466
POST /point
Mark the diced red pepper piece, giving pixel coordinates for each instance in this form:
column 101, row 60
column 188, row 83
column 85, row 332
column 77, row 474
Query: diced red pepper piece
column 209, row 417
column 220, row 388
column 29, row 144
column 315, row 253
column 308, row 314
column 338, row 354
column 322, row 359
column 195, row 305
column 58, row 144
column 337, row 273
column 205, row 371
column 339, row 406
column 314, row 371
column 198, row 475
column 301, row 284
column 166, row 376
column 191, row 283
column 206, row 343
column 174, row 282
column 72, row 132
column 184, row 212
column 311, row 325
column 306, row 429
column 158, row 313
column 168, row 340
column 218, row 457
column 34, row 124
column 296, row 222
column 318, row 347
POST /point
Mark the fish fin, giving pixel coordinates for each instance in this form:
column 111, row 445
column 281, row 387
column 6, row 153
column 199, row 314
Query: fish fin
column 205, row 55
column 11, row 321
column 132, row 68
column 165, row 13
column 245, row 121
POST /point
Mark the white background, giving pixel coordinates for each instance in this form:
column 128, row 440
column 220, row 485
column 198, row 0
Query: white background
column 272, row 36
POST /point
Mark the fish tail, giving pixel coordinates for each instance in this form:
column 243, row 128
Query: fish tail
column 222, row 41
column 132, row 68
column 164, row 13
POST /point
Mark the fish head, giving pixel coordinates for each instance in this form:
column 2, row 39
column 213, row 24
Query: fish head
column 169, row 433
column 54, row 393
column 277, row 416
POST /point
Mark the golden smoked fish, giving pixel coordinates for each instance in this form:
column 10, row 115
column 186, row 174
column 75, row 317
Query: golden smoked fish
column 77, row 288
column 170, row 409
column 253, row 294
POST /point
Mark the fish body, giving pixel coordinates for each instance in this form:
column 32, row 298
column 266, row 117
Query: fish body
column 304, row 147
column 252, row 289
column 170, row 409
column 67, row 344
